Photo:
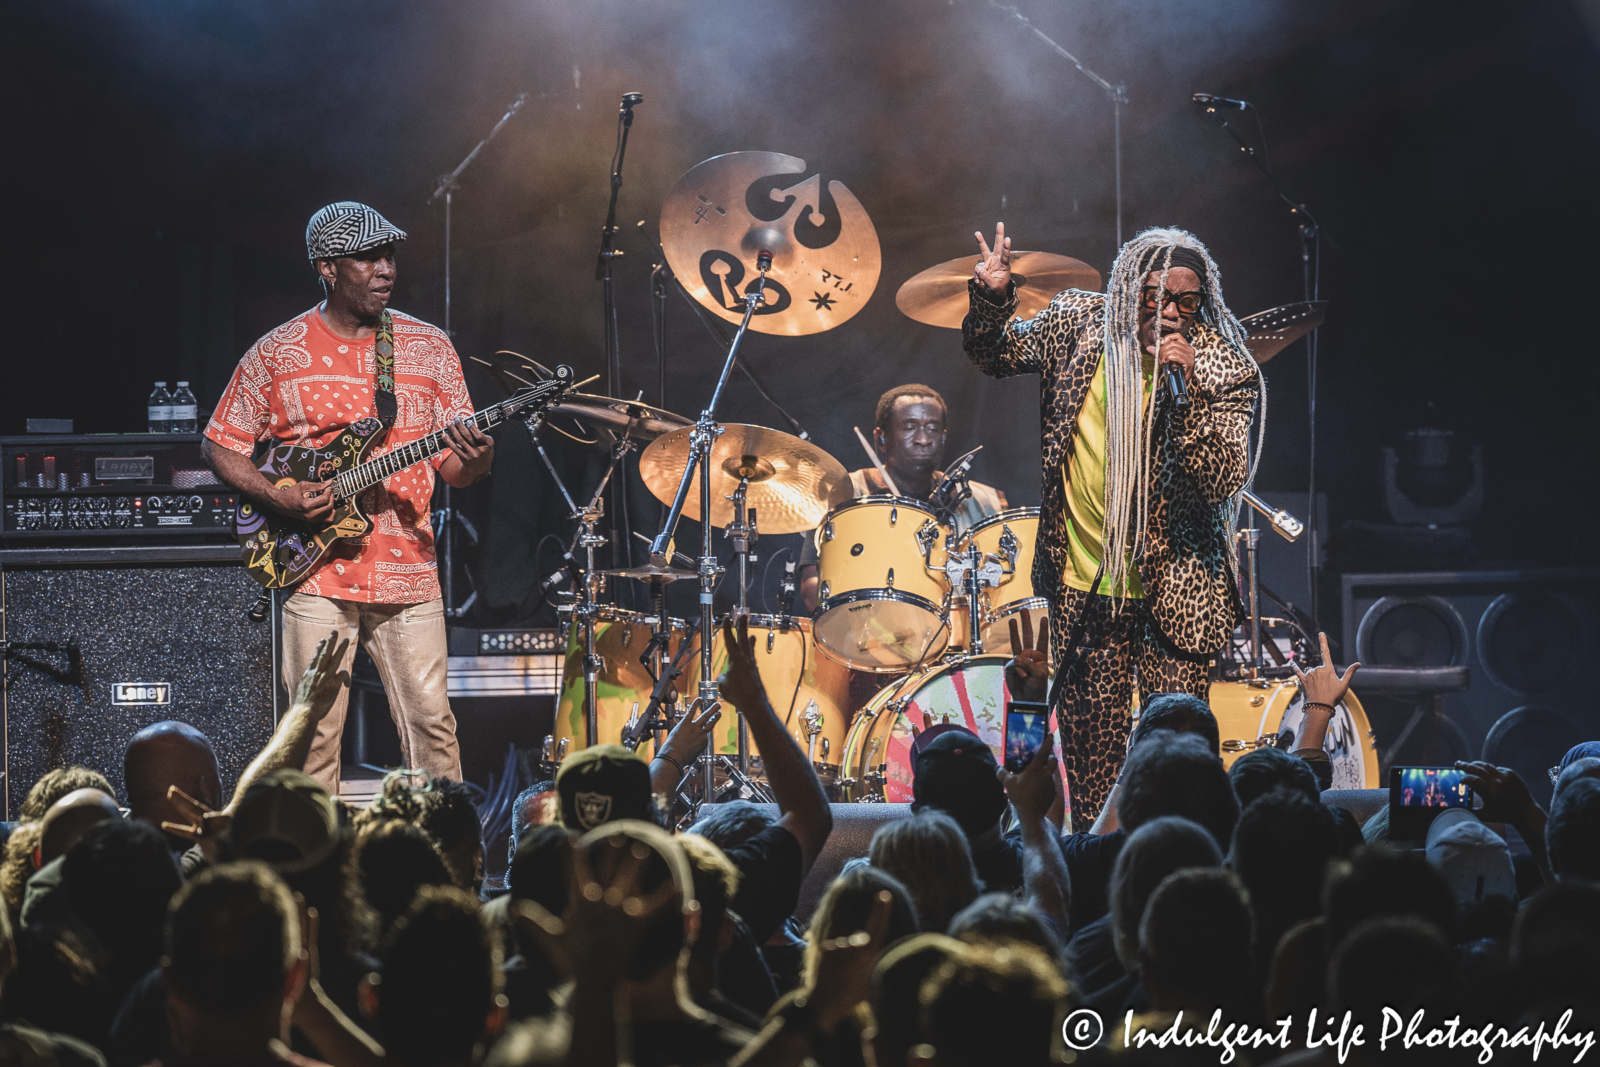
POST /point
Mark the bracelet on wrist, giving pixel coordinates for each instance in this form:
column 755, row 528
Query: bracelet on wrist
column 669, row 759
column 1317, row 704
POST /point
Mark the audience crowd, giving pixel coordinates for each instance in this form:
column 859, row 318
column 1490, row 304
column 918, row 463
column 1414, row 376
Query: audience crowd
column 175, row 925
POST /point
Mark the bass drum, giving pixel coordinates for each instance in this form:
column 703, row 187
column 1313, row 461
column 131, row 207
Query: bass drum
column 1249, row 717
column 805, row 688
column 969, row 692
column 620, row 638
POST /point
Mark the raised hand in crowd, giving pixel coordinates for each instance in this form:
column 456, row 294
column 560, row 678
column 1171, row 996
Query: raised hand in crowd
column 1506, row 799
column 1323, row 687
column 686, row 740
column 791, row 777
column 840, row 984
column 289, row 746
column 1028, row 672
column 1035, row 792
column 338, row 1040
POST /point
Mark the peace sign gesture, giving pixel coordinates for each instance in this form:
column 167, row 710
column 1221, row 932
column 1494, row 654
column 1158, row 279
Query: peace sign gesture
column 994, row 265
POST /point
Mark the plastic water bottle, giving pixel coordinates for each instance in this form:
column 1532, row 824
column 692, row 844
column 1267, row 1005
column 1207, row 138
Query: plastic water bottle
column 159, row 409
column 183, row 409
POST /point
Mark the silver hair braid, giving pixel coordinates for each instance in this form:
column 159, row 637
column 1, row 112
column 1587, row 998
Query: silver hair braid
column 1130, row 428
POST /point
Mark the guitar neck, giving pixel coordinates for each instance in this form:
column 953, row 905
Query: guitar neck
column 366, row 475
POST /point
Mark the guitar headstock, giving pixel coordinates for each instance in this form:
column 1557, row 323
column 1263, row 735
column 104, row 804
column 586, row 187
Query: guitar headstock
column 536, row 397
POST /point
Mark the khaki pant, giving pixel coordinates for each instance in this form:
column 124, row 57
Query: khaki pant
column 407, row 643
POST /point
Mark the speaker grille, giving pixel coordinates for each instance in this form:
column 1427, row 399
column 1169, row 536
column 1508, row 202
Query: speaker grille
column 1530, row 643
column 182, row 627
column 1421, row 631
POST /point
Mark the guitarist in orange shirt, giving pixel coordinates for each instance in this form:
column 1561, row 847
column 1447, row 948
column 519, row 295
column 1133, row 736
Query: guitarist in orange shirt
column 346, row 361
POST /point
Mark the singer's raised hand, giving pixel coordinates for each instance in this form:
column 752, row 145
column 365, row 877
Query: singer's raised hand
column 994, row 265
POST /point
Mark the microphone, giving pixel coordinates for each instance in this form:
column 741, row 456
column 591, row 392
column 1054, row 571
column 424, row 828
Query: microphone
column 787, row 589
column 1206, row 100
column 1180, row 391
column 561, row 575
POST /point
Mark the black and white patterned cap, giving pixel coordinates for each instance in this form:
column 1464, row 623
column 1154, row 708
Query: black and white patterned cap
column 345, row 228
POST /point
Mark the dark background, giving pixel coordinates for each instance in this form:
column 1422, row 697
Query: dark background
column 163, row 157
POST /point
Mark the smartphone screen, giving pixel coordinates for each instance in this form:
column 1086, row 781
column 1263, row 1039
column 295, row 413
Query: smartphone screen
column 1024, row 734
column 1418, row 794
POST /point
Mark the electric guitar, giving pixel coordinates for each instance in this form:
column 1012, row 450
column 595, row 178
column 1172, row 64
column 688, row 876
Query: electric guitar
column 280, row 552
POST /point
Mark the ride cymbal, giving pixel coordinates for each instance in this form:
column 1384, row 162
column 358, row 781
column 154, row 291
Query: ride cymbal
column 825, row 256
column 1269, row 332
column 938, row 296
column 793, row 483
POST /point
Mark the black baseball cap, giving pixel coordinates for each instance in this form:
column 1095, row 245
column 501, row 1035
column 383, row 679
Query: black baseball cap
column 955, row 773
column 601, row 784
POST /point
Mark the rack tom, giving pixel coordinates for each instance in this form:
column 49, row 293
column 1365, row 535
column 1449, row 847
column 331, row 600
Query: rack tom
column 1010, row 537
column 882, row 591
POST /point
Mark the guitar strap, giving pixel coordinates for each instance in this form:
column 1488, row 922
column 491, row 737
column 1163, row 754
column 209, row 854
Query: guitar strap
column 383, row 351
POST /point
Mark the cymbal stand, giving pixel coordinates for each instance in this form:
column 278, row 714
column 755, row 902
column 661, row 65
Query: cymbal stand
column 585, row 604
column 969, row 570
column 742, row 532
column 706, row 431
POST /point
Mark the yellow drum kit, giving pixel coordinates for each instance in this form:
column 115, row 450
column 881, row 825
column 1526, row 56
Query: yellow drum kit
column 904, row 589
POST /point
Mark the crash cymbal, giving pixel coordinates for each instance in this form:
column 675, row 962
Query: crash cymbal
column 825, row 257
column 1269, row 332
column 652, row 573
column 938, row 296
column 793, row 483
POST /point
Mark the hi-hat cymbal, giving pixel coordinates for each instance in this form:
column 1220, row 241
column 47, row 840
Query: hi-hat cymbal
column 793, row 483
column 1269, row 332
column 722, row 212
column 938, row 296
column 652, row 573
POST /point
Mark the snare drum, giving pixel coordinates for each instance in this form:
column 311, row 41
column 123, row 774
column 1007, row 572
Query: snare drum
column 879, row 607
column 1010, row 537
column 969, row 692
column 810, row 692
column 1249, row 717
column 620, row 638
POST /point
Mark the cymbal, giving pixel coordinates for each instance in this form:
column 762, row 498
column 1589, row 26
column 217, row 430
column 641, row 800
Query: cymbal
column 1269, row 332
column 515, row 371
column 825, row 256
column 938, row 296
column 793, row 483
column 637, row 420
column 651, row 573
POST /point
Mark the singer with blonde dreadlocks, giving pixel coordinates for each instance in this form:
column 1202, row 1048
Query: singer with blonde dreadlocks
column 1139, row 493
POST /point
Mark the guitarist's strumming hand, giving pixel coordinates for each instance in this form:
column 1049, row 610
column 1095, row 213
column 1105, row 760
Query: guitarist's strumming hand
column 310, row 502
column 471, row 453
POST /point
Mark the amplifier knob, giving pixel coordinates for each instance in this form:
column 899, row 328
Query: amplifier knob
column 152, row 503
column 196, row 503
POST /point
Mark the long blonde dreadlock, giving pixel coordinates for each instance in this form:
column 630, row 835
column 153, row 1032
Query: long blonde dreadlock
column 1130, row 429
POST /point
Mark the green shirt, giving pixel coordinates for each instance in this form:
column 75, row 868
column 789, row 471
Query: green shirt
column 1084, row 478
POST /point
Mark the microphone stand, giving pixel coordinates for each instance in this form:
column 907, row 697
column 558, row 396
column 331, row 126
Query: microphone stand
column 446, row 187
column 1117, row 94
column 605, row 273
column 1311, row 237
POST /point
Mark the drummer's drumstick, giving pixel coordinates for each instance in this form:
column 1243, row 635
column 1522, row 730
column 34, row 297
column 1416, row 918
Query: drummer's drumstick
column 876, row 462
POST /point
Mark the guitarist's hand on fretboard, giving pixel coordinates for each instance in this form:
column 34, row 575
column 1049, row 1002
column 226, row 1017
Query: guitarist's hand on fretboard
column 472, row 454
column 310, row 502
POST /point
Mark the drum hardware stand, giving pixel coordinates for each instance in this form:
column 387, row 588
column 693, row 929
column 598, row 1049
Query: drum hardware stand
column 1290, row 529
column 582, row 606
column 706, row 431
column 742, row 532
column 551, row 755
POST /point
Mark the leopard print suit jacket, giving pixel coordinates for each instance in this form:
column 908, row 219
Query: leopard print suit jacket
column 1187, row 570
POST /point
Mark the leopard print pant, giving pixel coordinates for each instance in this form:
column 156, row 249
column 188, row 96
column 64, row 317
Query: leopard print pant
column 1119, row 648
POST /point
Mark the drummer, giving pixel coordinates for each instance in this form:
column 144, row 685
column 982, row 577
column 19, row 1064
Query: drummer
column 909, row 435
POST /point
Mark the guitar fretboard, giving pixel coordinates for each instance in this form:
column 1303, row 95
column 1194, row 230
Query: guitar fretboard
column 357, row 479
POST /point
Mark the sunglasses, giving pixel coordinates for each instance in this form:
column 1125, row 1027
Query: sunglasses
column 1188, row 303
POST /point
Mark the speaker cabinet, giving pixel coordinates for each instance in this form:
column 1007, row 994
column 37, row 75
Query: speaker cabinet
column 162, row 634
column 1524, row 635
